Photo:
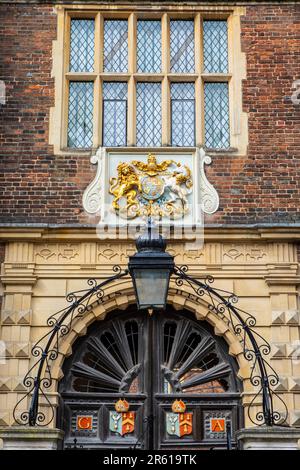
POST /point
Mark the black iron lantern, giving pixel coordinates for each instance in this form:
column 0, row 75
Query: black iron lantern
column 151, row 268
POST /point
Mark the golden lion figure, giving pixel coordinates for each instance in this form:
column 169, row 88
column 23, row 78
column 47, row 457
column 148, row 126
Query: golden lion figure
column 127, row 185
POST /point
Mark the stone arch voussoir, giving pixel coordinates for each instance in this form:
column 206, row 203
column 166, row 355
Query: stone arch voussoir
column 120, row 295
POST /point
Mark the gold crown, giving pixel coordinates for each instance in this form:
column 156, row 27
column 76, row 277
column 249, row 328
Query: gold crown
column 122, row 405
column 178, row 406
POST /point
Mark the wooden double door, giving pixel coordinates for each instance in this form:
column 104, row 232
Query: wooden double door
column 146, row 363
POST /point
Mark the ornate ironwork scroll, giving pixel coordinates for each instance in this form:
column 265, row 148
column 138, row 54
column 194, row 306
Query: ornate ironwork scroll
column 38, row 379
column 263, row 377
column 255, row 347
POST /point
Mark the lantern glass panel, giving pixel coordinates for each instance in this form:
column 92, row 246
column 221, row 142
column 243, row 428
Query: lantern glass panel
column 151, row 287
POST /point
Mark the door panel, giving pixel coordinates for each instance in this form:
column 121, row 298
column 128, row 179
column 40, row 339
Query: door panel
column 150, row 362
column 194, row 367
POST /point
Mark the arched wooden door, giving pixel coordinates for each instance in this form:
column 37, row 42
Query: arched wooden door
column 149, row 362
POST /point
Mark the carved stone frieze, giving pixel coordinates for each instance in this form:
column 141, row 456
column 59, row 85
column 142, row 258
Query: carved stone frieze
column 245, row 253
column 193, row 255
column 108, row 253
column 57, row 253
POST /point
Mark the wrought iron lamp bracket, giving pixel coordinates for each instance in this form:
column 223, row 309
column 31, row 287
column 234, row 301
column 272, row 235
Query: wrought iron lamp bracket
column 39, row 380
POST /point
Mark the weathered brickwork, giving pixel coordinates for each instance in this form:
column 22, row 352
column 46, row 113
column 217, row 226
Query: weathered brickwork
column 260, row 187
column 2, row 257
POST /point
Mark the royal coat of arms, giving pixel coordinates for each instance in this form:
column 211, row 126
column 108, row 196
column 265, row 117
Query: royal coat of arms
column 151, row 189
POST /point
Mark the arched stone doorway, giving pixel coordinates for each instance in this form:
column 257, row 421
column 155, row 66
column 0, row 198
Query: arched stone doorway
column 150, row 362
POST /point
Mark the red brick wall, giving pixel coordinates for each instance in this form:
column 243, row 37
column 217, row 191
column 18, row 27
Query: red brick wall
column 2, row 257
column 261, row 187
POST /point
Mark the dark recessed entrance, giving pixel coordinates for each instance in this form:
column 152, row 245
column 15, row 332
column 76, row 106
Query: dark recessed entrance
column 150, row 362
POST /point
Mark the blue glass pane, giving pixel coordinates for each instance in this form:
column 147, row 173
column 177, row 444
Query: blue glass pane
column 182, row 46
column 216, row 114
column 183, row 114
column 80, row 119
column 148, row 46
column 215, row 46
column 115, row 46
column 148, row 114
column 82, row 46
column 114, row 114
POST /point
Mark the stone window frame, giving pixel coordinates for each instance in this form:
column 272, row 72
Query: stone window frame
column 236, row 72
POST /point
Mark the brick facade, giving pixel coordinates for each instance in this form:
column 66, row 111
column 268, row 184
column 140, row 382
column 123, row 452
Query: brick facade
column 2, row 257
column 261, row 187
column 41, row 265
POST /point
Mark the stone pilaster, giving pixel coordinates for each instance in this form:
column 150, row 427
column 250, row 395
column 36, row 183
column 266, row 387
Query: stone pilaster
column 18, row 279
column 283, row 285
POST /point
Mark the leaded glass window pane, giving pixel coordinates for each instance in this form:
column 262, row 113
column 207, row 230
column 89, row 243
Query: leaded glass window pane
column 216, row 114
column 182, row 53
column 148, row 114
column 183, row 114
column 82, row 45
column 80, row 118
column 215, row 46
column 114, row 114
column 115, row 46
column 149, row 46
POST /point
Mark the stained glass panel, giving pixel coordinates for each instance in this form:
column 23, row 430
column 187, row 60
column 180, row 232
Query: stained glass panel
column 148, row 114
column 115, row 46
column 148, row 46
column 114, row 114
column 183, row 114
column 215, row 46
column 82, row 45
column 182, row 46
column 80, row 118
column 216, row 114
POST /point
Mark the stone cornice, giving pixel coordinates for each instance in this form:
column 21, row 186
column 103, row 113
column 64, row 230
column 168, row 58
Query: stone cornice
column 147, row 3
column 77, row 232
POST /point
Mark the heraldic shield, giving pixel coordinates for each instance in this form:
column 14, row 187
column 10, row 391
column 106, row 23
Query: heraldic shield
column 121, row 421
column 179, row 423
